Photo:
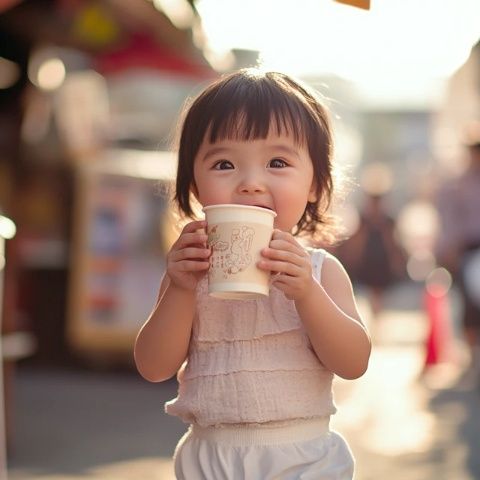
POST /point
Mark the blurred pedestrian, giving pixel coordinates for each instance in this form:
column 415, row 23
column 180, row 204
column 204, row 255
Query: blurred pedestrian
column 380, row 259
column 373, row 256
column 256, row 380
column 458, row 245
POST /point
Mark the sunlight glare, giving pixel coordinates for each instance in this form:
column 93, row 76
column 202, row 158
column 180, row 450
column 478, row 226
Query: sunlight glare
column 7, row 228
column 179, row 12
column 51, row 74
column 395, row 47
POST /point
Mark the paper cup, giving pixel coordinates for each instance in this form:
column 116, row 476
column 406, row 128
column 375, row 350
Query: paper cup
column 236, row 235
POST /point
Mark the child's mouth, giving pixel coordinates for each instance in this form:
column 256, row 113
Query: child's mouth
column 263, row 206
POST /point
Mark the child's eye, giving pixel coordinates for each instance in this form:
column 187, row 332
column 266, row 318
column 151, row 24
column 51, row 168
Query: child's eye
column 223, row 165
column 277, row 163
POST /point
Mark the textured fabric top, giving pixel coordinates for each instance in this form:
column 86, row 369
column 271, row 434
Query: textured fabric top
column 250, row 361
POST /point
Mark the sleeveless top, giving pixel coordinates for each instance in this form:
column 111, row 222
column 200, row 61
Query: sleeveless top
column 251, row 361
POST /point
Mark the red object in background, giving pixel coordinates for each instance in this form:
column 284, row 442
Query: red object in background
column 439, row 338
column 142, row 51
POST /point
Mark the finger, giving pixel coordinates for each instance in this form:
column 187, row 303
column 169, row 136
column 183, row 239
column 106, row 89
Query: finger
column 290, row 256
column 285, row 245
column 190, row 253
column 188, row 239
column 191, row 266
column 288, row 285
column 280, row 267
column 286, row 241
column 282, row 281
column 194, row 226
column 286, row 236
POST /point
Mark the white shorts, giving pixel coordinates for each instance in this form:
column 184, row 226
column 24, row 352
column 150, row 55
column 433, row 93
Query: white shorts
column 305, row 450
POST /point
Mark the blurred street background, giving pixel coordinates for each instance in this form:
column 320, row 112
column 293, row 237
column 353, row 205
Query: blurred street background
column 403, row 425
column 90, row 95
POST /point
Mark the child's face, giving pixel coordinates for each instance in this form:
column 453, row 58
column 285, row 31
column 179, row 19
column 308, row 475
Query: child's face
column 275, row 173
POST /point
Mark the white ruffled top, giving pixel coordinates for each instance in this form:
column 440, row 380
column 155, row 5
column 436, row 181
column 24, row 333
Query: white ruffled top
column 250, row 361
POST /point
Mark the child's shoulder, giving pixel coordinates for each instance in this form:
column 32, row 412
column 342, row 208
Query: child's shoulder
column 316, row 252
column 323, row 259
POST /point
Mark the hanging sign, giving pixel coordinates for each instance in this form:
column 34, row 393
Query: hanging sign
column 365, row 4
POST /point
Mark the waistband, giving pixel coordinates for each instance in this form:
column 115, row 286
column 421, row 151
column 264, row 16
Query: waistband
column 246, row 435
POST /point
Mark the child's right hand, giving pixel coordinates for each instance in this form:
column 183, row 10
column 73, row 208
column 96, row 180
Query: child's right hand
column 188, row 259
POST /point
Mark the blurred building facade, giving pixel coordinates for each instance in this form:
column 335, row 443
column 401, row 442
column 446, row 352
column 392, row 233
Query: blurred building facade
column 460, row 107
column 88, row 90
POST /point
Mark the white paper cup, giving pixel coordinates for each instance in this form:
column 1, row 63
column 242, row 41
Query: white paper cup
column 236, row 235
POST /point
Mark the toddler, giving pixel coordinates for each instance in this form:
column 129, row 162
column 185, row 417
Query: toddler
column 255, row 376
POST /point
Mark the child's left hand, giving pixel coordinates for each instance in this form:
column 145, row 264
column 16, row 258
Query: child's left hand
column 289, row 263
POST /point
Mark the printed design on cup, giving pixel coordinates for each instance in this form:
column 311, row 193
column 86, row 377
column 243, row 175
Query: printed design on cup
column 234, row 256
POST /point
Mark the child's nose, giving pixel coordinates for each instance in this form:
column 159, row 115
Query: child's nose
column 252, row 185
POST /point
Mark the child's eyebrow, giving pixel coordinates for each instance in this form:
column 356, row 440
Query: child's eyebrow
column 284, row 149
column 276, row 148
column 214, row 151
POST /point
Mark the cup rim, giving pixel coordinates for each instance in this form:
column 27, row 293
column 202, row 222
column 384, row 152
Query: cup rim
column 241, row 206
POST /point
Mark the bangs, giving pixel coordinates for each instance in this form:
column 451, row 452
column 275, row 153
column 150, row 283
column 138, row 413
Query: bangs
column 240, row 112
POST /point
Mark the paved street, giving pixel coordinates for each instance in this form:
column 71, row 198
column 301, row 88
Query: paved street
column 77, row 424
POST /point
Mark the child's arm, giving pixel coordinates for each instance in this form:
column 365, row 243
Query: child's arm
column 162, row 343
column 328, row 310
column 333, row 324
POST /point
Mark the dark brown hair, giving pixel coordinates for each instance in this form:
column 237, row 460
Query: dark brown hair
column 245, row 105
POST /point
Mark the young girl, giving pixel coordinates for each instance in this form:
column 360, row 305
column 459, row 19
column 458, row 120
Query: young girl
column 255, row 376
